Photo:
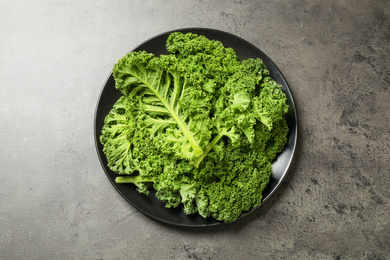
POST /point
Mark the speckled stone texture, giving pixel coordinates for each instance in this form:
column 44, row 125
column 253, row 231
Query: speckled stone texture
column 55, row 200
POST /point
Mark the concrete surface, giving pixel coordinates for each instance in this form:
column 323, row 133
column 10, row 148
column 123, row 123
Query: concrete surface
column 55, row 200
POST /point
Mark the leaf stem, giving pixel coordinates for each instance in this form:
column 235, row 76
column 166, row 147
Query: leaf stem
column 208, row 148
column 132, row 179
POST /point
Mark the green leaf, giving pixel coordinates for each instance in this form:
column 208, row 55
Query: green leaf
column 140, row 73
column 114, row 138
column 270, row 106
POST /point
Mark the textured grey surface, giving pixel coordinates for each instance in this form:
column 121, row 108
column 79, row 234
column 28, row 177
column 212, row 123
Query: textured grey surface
column 55, row 200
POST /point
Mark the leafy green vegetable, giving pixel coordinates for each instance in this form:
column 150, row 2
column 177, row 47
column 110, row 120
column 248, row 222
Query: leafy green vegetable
column 197, row 125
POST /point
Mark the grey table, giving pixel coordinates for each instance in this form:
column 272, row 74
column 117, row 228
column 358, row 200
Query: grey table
column 55, row 200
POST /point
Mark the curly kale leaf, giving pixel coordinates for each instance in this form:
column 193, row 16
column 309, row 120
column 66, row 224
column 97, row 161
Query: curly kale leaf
column 270, row 106
column 172, row 184
column 161, row 90
column 118, row 147
column 236, row 104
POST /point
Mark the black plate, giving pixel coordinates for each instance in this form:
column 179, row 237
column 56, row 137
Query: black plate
column 150, row 205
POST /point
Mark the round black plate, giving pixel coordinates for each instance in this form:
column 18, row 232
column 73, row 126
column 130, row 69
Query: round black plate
column 150, row 205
